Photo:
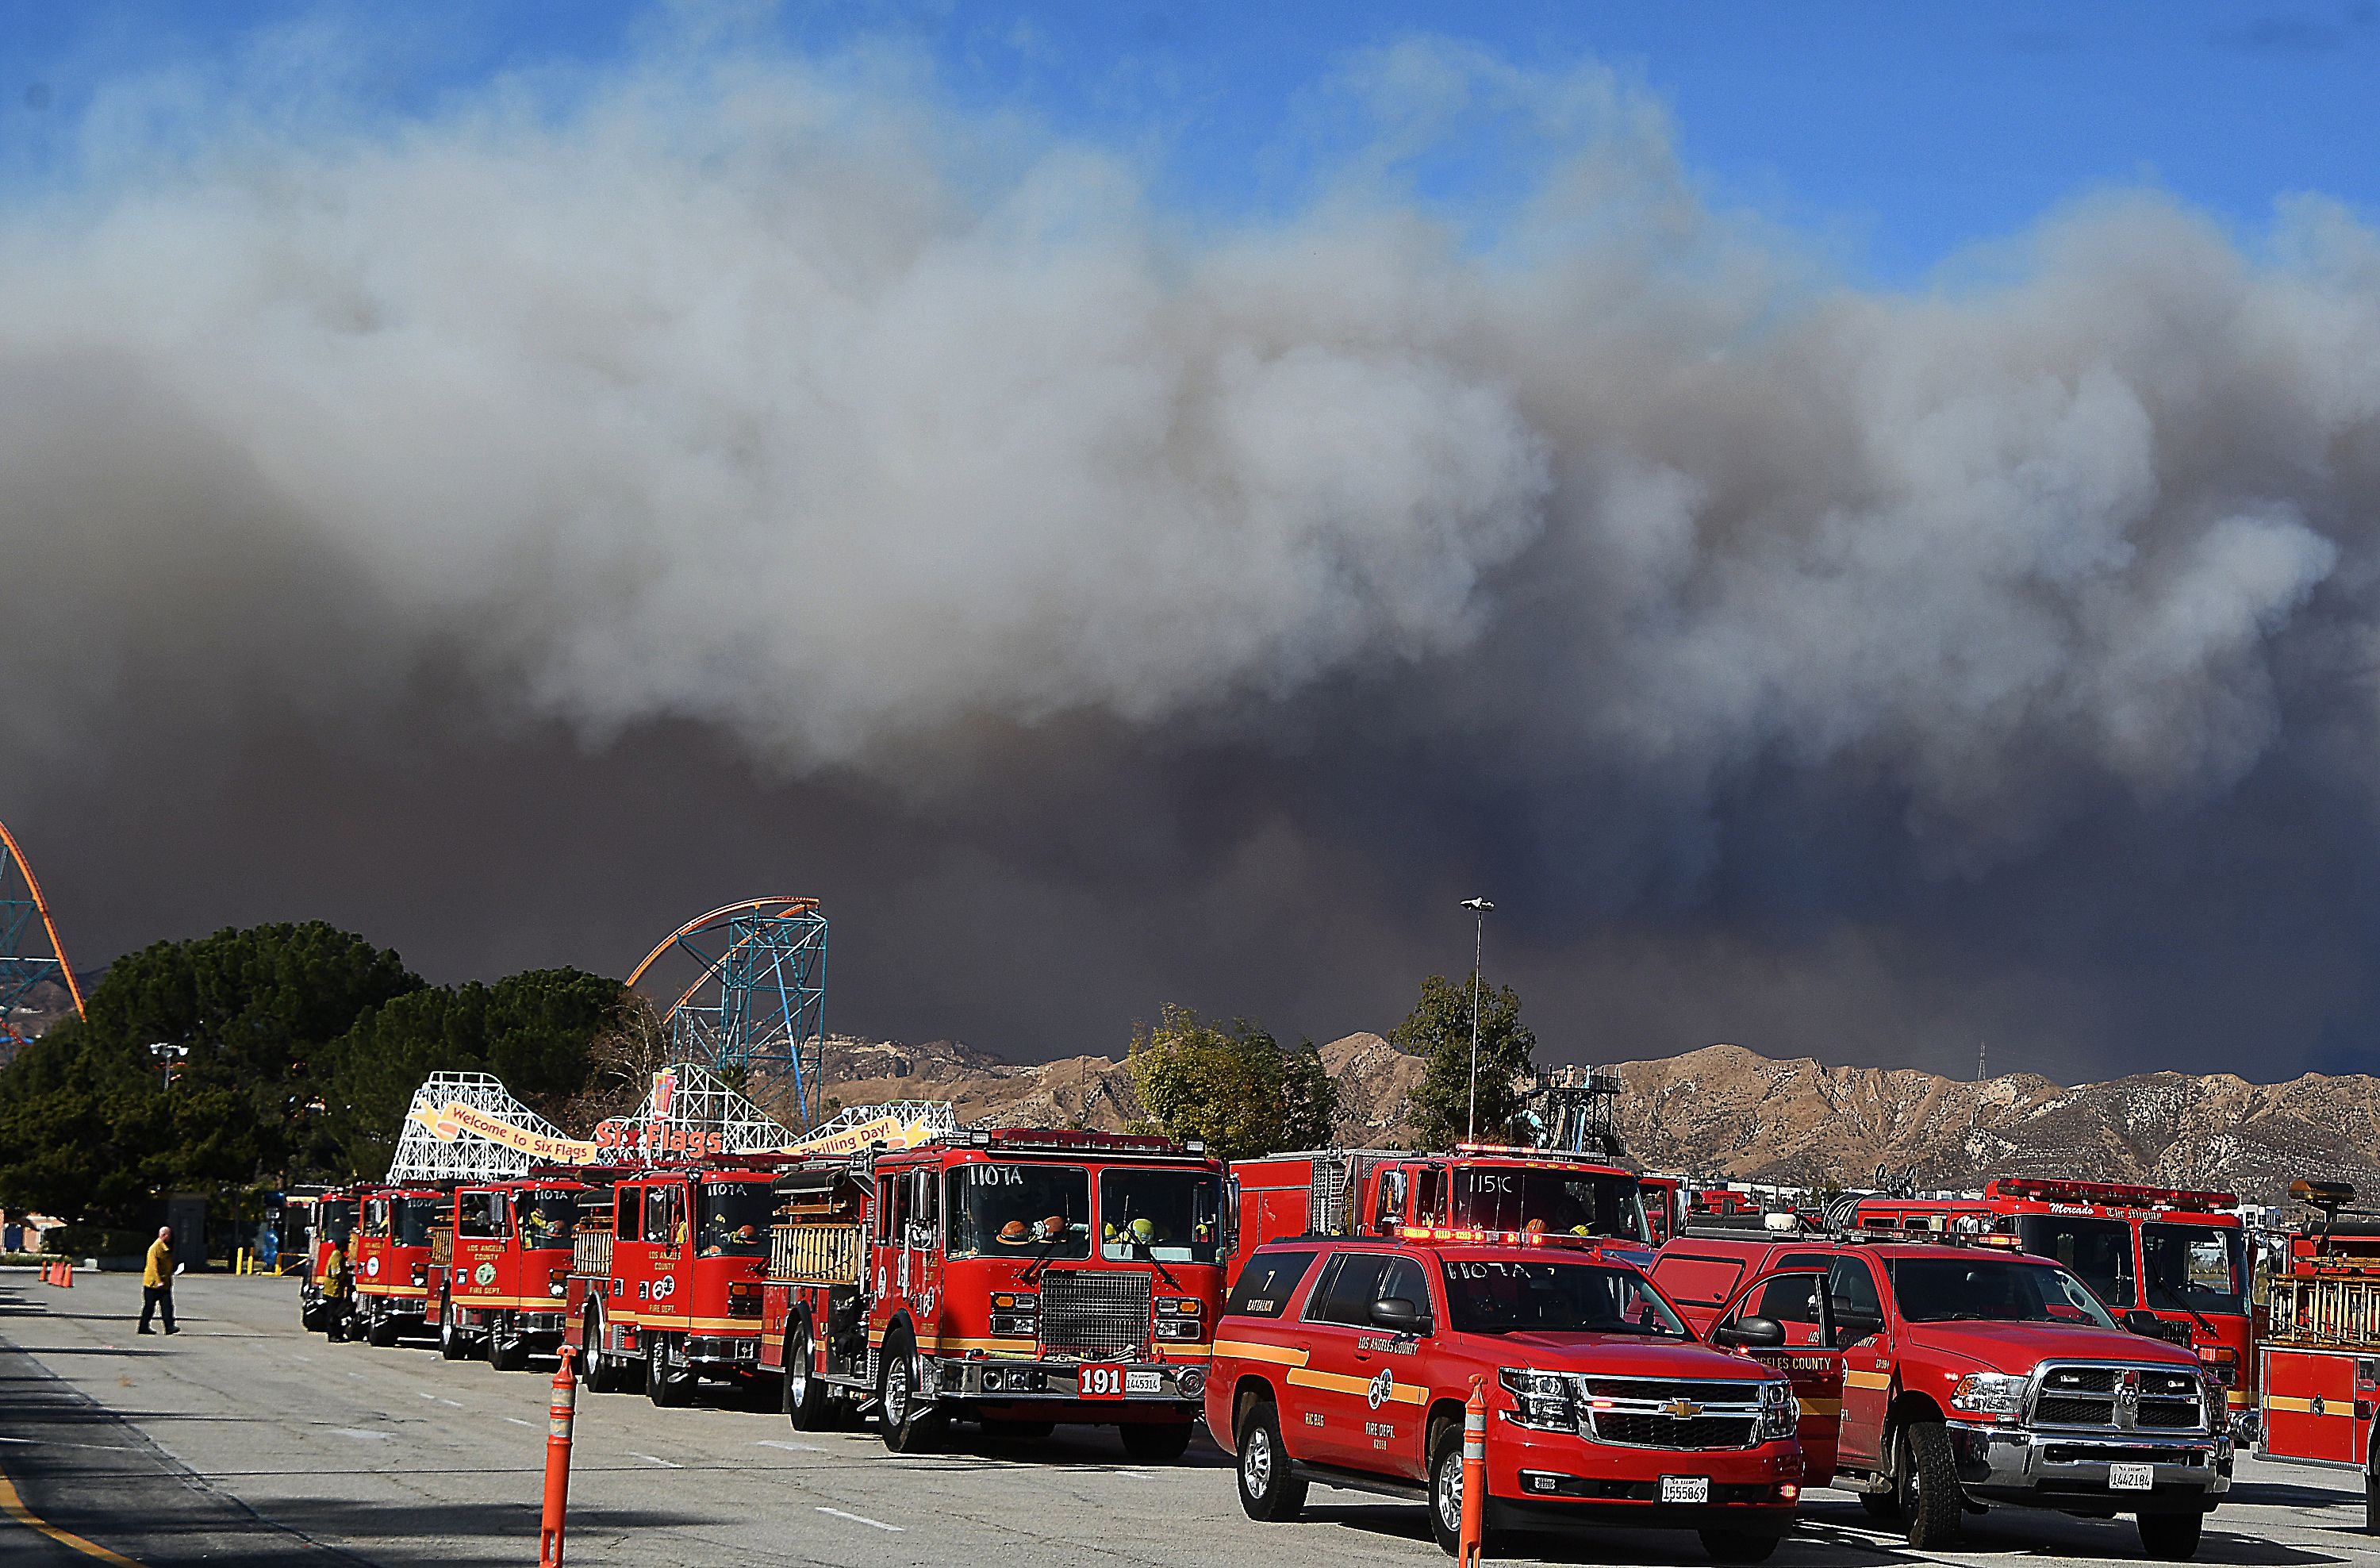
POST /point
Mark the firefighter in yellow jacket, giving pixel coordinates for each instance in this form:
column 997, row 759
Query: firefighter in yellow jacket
column 157, row 1282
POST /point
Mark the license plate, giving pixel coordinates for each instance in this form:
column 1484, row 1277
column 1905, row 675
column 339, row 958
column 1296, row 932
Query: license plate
column 1143, row 1382
column 1685, row 1488
column 1100, row 1382
column 2131, row 1477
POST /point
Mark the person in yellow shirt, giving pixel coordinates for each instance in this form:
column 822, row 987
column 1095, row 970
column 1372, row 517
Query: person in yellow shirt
column 157, row 1282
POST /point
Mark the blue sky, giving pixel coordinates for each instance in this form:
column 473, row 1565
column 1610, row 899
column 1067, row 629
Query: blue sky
column 1890, row 134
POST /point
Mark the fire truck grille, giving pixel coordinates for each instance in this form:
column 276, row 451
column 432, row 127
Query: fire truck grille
column 2118, row 1399
column 1669, row 1431
column 1093, row 1315
column 1661, row 1390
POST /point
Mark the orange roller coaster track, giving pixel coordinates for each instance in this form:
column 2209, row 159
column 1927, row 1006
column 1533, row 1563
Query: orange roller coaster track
column 20, row 972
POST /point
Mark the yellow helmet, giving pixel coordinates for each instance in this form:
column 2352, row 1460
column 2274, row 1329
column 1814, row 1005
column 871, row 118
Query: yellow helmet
column 1142, row 1230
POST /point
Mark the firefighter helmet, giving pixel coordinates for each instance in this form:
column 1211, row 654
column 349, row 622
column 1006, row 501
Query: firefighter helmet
column 1013, row 1233
column 1142, row 1230
column 1053, row 1227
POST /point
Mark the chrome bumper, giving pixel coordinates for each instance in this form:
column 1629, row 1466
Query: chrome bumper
column 2069, row 1469
column 1146, row 1382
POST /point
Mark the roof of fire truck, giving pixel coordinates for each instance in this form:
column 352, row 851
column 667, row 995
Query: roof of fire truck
column 2059, row 1189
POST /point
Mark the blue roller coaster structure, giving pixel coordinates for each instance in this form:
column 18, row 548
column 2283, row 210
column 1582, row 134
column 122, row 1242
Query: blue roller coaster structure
column 756, row 1008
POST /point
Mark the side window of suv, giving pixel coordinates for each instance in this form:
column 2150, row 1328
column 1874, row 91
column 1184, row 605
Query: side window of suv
column 1347, row 1292
column 1267, row 1284
column 1792, row 1300
column 1850, row 1289
column 1405, row 1279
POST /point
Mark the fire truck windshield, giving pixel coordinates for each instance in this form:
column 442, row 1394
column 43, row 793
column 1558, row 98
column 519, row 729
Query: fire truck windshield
column 1000, row 1209
column 2098, row 1250
column 2195, row 1268
column 735, row 1219
column 1991, row 1290
column 413, row 1218
column 1493, row 1197
column 336, row 1221
column 479, row 1214
column 1495, row 1295
column 546, row 1218
column 1167, row 1215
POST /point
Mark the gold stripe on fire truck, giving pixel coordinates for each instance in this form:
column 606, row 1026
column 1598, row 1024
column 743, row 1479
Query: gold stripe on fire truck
column 1249, row 1350
column 2340, row 1408
column 1822, row 1407
column 1332, row 1383
column 1867, row 1379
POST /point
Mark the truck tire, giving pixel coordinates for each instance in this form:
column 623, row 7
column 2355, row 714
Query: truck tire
column 808, row 1400
column 1925, row 1482
column 663, row 1387
column 2371, row 1503
column 1738, row 1546
column 2172, row 1537
column 1268, row 1491
column 1156, row 1443
column 601, row 1371
column 902, row 1417
column 507, row 1348
column 1446, row 1493
column 382, row 1331
column 451, row 1342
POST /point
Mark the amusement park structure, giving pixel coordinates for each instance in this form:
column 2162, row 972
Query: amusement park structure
column 28, row 959
column 756, row 1004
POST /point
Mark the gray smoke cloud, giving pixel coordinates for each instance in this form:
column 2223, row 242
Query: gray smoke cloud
column 756, row 440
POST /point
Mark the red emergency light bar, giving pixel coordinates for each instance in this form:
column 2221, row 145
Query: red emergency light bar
column 1441, row 1233
column 1073, row 1141
column 2054, row 1190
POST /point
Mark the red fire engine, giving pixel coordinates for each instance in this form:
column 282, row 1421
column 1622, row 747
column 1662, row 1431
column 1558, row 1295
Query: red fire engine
column 500, row 1269
column 392, row 1258
column 330, row 1217
column 2319, row 1377
column 1021, row 1278
column 1665, row 1206
column 664, row 1286
column 1479, row 1188
column 2179, row 1254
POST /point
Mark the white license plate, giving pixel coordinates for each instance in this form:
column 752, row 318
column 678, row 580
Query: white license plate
column 2131, row 1477
column 1685, row 1488
column 1142, row 1382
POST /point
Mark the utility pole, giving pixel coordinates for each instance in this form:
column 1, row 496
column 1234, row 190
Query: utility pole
column 1479, row 909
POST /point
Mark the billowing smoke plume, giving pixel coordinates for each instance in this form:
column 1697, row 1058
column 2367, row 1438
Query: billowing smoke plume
column 1607, row 546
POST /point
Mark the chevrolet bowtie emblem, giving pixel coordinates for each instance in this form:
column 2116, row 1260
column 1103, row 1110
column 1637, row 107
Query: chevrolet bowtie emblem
column 1683, row 1409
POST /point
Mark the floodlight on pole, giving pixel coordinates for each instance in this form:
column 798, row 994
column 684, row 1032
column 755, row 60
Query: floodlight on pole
column 1479, row 909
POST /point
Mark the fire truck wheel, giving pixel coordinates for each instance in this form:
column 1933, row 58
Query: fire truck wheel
column 1738, row 1546
column 807, row 1399
column 507, row 1351
column 2172, row 1537
column 1926, row 1479
column 451, row 1342
column 1156, row 1442
column 1446, row 1490
column 1268, row 1491
column 382, row 1331
column 603, row 1370
column 2371, row 1503
column 664, row 1386
column 903, row 1419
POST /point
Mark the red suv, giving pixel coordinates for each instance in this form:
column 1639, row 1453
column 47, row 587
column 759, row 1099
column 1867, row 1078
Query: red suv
column 1348, row 1362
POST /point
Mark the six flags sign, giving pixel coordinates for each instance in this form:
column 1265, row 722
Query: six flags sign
column 655, row 1140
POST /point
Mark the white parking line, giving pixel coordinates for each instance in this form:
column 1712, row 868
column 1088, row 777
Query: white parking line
column 455, row 1403
column 519, row 1422
column 863, row 1519
column 790, row 1447
column 425, row 1394
column 652, row 1459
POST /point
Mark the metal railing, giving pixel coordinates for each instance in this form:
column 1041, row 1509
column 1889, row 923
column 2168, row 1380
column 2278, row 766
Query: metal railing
column 590, row 1252
column 817, row 1254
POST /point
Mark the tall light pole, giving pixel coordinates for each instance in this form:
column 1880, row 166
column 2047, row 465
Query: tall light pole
column 1479, row 909
column 167, row 1054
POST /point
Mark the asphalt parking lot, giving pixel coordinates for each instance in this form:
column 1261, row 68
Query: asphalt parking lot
column 245, row 1440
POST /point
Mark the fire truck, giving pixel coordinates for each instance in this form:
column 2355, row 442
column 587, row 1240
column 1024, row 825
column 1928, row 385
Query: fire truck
column 1665, row 1206
column 2319, row 1377
column 1484, row 1188
column 330, row 1217
column 664, row 1281
column 500, row 1269
column 2182, row 1255
column 1019, row 1278
column 391, row 1258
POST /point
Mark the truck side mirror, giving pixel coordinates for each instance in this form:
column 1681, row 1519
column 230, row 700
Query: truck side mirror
column 2141, row 1321
column 1398, row 1315
column 1750, row 1333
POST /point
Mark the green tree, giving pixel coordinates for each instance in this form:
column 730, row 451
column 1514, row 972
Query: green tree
column 1235, row 1090
column 1438, row 1030
column 90, row 1131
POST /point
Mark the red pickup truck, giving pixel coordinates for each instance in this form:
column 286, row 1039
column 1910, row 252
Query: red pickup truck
column 1347, row 1361
column 1939, row 1378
